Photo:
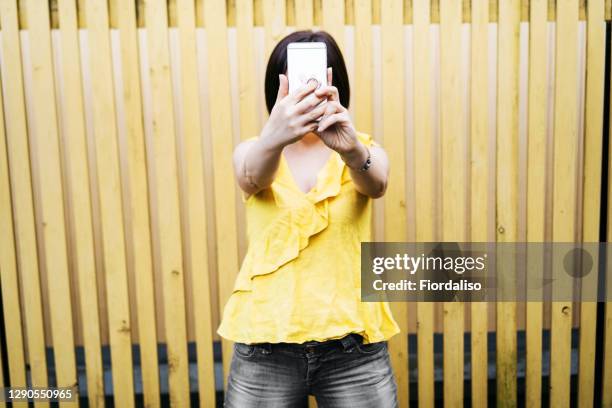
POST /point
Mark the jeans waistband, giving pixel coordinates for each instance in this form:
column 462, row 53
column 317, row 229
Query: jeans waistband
column 347, row 342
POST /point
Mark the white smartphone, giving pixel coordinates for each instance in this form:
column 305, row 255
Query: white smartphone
column 306, row 61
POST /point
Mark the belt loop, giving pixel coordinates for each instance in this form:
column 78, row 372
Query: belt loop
column 349, row 341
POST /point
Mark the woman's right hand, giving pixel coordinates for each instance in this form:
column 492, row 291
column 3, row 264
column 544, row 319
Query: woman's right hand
column 293, row 115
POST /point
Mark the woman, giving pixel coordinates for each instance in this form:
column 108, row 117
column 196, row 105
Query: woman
column 295, row 311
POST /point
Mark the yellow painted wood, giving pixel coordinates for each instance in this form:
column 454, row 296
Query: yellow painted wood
column 395, row 223
column 9, row 279
column 454, row 187
column 2, row 380
column 23, row 205
column 376, row 12
column 536, row 190
column 607, row 367
column 349, row 12
column 364, row 67
column 221, row 131
column 316, row 12
column 248, row 85
column 333, row 20
column 111, row 212
column 290, row 13
column 247, row 81
column 365, row 12
column 586, row 359
column 479, row 175
column 195, row 200
column 607, row 356
column 564, row 189
column 230, row 12
column 435, row 11
column 304, row 17
column 140, row 236
column 274, row 24
column 316, row 16
column 82, row 221
column 507, row 192
column 164, row 148
column 594, row 101
column 51, row 193
column 363, row 76
column 424, row 187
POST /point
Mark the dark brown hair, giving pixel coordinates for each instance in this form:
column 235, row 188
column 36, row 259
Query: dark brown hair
column 277, row 64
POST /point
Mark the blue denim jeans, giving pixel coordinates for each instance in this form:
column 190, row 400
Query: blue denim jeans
column 339, row 373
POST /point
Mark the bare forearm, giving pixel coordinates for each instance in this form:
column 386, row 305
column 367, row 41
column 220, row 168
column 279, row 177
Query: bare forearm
column 373, row 181
column 261, row 163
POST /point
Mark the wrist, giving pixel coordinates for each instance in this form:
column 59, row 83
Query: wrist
column 271, row 142
column 356, row 157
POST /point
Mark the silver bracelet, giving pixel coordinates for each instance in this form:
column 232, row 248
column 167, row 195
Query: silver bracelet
column 366, row 165
column 368, row 161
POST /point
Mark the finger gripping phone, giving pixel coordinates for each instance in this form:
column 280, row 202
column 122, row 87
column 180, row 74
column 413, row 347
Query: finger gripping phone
column 306, row 62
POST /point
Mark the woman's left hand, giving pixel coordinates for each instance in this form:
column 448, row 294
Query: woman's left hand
column 335, row 128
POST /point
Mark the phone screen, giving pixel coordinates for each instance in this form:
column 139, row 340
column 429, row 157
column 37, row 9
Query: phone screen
column 306, row 61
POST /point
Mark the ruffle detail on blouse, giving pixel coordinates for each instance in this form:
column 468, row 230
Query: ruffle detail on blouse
column 289, row 233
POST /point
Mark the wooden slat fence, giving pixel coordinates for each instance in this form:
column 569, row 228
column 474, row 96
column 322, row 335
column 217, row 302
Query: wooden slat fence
column 121, row 225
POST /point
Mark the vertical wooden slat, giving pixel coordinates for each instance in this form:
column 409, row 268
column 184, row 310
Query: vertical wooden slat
column 453, row 185
column 164, row 148
column 9, row 279
column 221, row 131
column 536, row 189
column 2, row 383
column 248, row 85
column 290, row 13
column 564, row 190
column 607, row 354
column 23, row 204
column 274, row 23
column 349, row 12
column 111, row 212
column 139, row 227
column 607, row 364
column 51, row 192
column 479, row 176
column 247, row 81
column 507, row 192
column 593, row 109
column 364, row 69
column 78, row 174
column 230, row 12
column 304, row 17
column 333, row 20
column 435, row 11
column 395, row 223
column 316, row 14
column 424, row 187
column 195, row 195
column 365, row 66
column 376, row 11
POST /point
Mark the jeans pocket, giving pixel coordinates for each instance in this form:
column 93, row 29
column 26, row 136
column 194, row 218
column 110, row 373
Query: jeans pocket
column 244, row 350
column 371, row 348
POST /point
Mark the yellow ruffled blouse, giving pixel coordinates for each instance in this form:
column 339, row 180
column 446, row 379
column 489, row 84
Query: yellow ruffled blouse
column 300, row 279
